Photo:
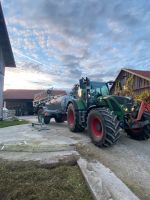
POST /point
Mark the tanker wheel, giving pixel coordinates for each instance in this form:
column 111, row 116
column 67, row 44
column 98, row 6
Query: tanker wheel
column 41, row 118
column 140, row 133
column 59, row 119
column 103, row 127
column 73, row 119
column 46, row 119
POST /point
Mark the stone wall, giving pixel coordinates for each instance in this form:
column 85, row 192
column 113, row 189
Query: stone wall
column 2, row 69
column 7, row 114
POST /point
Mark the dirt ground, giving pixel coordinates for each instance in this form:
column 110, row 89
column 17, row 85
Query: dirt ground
column 128, row 159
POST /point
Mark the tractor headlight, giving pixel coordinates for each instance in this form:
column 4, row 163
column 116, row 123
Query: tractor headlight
column 126, row 109
column 132, row 109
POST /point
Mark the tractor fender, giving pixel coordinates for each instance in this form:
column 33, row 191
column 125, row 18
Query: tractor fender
column 78, row 105
column 74, row 104
column 91, row 108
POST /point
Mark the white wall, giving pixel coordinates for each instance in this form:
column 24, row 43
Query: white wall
column 2, row 70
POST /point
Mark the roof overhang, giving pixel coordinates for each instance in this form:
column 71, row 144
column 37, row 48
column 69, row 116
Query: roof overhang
column 128, row 70
column 9, row 60
column 139, row 75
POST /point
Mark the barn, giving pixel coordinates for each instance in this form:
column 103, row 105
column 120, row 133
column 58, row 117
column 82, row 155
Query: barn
column 21, row 100
column 6, row 56
column 140, row 80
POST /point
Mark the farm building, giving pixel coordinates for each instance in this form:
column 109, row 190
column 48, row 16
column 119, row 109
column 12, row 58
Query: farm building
column 6, row 56
column 21, row 100
column 140, row 80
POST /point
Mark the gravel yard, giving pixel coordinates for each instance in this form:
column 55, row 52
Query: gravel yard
column 128, row 159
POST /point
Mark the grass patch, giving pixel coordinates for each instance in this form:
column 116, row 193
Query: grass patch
column 12, row 122
column 31, row 180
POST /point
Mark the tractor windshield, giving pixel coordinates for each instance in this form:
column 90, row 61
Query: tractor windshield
column 99, row 88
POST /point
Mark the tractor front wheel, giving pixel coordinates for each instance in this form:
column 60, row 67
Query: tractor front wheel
column 103, row 127
column 73, row 119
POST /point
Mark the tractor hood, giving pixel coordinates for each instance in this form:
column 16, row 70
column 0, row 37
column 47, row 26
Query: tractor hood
column 125, row 103
column 119, row 104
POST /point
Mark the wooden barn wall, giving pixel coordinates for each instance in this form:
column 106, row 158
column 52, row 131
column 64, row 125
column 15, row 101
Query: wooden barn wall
column 139, row 84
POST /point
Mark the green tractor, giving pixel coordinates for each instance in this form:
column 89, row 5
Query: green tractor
column 105, row 115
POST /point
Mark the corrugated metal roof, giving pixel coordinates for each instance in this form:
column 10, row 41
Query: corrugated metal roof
column 27, row 94
column 5, row 42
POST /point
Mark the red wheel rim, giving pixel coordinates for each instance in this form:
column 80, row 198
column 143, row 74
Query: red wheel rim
column 70, row 117
column 96, row 127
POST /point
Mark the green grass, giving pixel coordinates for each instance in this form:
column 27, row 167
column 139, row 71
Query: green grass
column 31, row 180
column 12, row 122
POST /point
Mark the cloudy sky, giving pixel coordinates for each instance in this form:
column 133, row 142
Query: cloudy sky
column 55, row 42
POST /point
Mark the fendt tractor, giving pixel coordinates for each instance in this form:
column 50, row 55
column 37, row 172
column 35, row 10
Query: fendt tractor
column 91, row 106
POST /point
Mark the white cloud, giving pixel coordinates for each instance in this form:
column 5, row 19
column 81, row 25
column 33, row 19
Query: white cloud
column 70, row 39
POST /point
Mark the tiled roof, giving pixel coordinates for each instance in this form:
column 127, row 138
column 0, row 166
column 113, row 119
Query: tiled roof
column 27, row 94
column 143, row 74
column 20, row 94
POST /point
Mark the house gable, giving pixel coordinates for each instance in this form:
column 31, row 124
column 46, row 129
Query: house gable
column 141, row 80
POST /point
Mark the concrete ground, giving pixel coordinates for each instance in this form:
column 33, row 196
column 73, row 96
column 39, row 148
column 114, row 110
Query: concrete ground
column 128, row 159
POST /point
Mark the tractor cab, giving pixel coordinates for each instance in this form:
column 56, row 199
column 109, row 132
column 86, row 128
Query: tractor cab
column 98, row 89
column 89, row 91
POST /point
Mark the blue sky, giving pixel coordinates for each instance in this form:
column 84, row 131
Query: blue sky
column 55, row 42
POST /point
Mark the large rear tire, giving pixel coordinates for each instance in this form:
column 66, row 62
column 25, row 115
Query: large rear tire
column 103, row 127
column 141, row 133
column 73, row 119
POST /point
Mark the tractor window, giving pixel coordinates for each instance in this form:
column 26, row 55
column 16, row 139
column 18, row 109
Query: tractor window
column 100, row 89
column 104, row 90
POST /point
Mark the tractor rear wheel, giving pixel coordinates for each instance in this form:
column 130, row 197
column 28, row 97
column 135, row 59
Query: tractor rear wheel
column 140, row 133
column 73, row 119
column 103, row 127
